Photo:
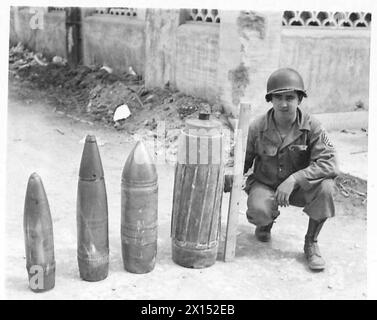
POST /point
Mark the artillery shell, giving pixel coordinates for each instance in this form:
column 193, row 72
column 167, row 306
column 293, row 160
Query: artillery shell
column 39, row 238
column 139, row 204
column 92, row 215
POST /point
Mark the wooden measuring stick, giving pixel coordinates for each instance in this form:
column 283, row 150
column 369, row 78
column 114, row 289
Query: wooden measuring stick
column 235, row 193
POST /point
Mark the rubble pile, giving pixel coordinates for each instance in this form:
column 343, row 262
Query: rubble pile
column 20, row 58
column 66, row 86
column 95, row 92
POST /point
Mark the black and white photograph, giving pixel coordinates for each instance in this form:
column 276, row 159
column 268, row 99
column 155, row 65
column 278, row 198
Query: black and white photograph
column 188, row 150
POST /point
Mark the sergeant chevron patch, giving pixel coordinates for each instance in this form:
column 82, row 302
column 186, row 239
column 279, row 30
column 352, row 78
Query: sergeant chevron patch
column 326, row 140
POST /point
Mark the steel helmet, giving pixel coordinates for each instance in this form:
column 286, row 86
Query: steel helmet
column 283, row 80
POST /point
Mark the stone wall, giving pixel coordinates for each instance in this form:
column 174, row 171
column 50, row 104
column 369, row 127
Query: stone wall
column 52, row 39
column 117, row 41
column 334, row 64
column 197, row 59
column 20, row 29
column 225, row 60
column 46, row 35
column 249, row 52
column 161, row 37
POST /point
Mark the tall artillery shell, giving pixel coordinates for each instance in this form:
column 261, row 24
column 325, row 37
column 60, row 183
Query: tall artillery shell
column 39, row 238
column 92, row 215
column 197, row 196
column 139, row 211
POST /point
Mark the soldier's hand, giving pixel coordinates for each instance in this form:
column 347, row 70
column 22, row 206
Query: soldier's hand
column 228, row 183
column 284, row 191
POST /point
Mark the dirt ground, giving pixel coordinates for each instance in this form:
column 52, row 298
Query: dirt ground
column 43, row 139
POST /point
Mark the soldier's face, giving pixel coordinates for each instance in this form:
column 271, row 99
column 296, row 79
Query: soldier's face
column 285, row 103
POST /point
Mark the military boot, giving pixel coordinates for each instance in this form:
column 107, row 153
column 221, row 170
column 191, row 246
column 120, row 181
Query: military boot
column 311, row 249
column 263, row 233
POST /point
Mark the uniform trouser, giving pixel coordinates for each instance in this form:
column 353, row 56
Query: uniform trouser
column 318, row 202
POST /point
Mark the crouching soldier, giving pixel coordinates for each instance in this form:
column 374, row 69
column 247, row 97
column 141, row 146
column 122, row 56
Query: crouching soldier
column 294, row 164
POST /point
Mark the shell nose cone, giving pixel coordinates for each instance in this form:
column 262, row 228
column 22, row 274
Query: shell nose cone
column 36, row 205
column 35, row 177
column 139, row 166
column 35, row 190
column 90, row 138
column 91, row 165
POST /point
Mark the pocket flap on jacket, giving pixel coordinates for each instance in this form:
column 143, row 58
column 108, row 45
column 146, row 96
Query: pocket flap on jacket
column 298, row 147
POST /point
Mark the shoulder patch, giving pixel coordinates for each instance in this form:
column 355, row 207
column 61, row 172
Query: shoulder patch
column 326, row 140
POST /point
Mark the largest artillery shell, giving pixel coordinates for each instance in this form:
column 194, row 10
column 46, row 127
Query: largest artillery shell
column 197, row 195
column 139, row 201
column 92, row 215
column 39, row 238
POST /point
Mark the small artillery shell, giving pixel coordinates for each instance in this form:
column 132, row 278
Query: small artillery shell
column 39, row 238
column 139, row 204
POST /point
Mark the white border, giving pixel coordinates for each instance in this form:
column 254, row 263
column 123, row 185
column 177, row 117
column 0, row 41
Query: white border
column 357, row 5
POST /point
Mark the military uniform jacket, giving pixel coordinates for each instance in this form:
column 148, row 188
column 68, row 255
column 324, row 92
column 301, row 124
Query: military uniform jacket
column 306, row 152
